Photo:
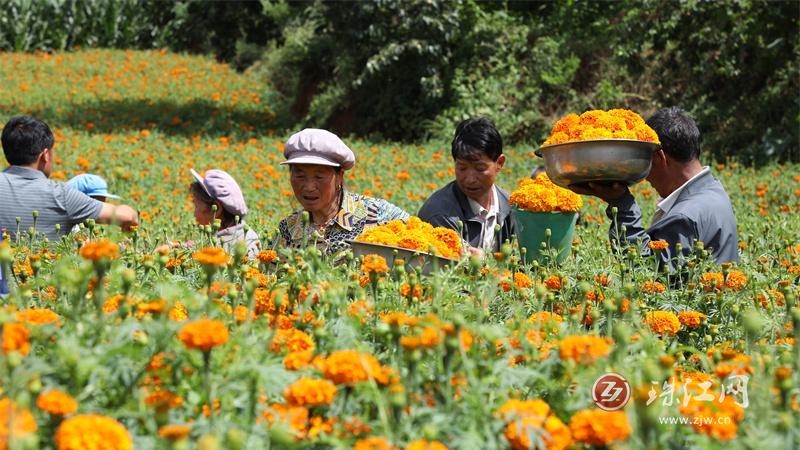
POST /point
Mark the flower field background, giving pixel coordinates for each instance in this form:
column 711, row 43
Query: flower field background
column 138, row 344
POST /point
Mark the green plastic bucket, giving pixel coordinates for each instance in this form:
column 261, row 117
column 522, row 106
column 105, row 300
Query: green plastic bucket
column 531, row 233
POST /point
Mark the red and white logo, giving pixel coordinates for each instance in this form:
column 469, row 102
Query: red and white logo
column 611, row 391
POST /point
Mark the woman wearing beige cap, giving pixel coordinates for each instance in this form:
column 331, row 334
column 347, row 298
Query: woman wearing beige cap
column 218, row 188
column 317, row 160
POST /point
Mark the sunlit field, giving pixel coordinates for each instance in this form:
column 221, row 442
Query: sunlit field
column 115, row 336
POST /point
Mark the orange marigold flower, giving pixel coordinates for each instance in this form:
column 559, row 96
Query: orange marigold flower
column 417, row 235
column 296, row 417
column 14, row 421
column 653, row 287
column 542, row 195
column 297, row 360
column 721, row 418
column 691, row 319
column 584, row 349
column 551, row 430
column 374, row 264
column 16, row 338
column 178, row 313
column 92, row 431
column 405, row 291
column 664, row 323
column 598, row 124
column 156, row 307
column 36, row 316
column 599, row 428
column 292, row 340
column 513, row 409
column 99, row 250
column 373, row 443
column 267, row 256
column 163, row 400
column 522, row 281
column 712, row 281
column 310, row 392
column 423, row 444
column 554, row 282
column 204, row 334
column 57, row 403
column 350, row 367
column 657, row 245
column 736, row 280
column 174, row 432
column 211, row 257
column 764, row 298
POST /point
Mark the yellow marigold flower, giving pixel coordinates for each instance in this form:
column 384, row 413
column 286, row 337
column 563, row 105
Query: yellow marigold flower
column 653, row 287
column 599, row 428
column 373, row 443
column 350, row 367
column 174, row 432
column 156, row 306
column 691, row 319
column 657, row 245
column 267, row 256
column 204, row 334
column 417, row 235
column 16, row 338
column 423, row 444
column 57, row 403
column 99, row 250
column 14, row 421
column 310, row 392
column 36, row 316
column 736, row 280
column 374, row 264
column 664, row 323
column 584, row 349
column 92, row 432
column 211, row 257
column 542, row 195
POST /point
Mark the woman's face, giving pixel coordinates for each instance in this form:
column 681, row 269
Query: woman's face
column 315, row 186
column 202, row 211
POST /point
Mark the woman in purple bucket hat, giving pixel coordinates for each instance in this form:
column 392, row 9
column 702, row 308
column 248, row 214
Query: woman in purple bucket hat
column 218, row 188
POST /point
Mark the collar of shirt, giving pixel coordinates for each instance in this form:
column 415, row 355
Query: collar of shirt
column 666, row 204
column 25, row 172
column 482, row 212
column 353, row 209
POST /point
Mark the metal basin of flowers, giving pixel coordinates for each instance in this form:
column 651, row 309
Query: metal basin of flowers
column 603, row 160
column 411, row 258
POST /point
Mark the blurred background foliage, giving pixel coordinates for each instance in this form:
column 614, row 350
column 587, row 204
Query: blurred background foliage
column 410, row 70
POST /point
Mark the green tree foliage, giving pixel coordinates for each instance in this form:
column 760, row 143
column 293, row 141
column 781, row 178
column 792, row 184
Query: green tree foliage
column 410, row 70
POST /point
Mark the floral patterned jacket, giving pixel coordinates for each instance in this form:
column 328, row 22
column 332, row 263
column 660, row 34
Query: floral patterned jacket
column 356, row 214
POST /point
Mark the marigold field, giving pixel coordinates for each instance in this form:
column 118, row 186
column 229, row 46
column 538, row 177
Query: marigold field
column 114, row 340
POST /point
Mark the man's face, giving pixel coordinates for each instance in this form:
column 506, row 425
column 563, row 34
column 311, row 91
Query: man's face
column 476, row 177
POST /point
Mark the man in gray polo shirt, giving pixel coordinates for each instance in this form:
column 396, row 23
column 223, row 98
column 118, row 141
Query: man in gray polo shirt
column 694, row 206
column 26, row 191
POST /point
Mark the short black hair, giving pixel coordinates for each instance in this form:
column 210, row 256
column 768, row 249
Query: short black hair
column 24, row 139
column 678, row 133
column 476, row 136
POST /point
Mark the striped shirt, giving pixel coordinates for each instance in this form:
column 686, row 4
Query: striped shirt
column 24, row 190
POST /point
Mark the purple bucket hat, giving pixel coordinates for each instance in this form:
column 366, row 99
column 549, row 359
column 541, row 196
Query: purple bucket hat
column 220, row 186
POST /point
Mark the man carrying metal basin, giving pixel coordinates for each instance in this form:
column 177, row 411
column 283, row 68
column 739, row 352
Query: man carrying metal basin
column 473, row 199
column 694, row 206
